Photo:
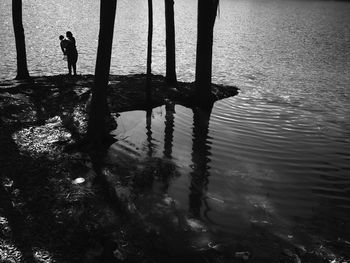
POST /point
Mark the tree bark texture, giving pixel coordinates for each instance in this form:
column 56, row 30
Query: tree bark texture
column 170, row 42
column 207, row 10
column 22, row 68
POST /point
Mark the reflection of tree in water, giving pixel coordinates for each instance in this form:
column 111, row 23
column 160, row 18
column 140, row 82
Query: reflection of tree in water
column 144, row 178
column 158, row 172
column 150, row 144
column 169, row 129
column 149, row 112
column 200, row 152
column 168, row 167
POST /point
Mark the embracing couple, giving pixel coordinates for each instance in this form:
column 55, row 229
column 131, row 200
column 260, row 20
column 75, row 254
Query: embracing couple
column 69, row 51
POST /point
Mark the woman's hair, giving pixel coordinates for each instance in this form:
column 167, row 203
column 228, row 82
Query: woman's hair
column 69, row 34
column 61, row 37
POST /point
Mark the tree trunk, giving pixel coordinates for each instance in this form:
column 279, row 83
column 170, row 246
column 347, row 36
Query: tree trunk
column 99, row 115
column 22, row 68
column 150, row 37
column 205, row 25
column 170, row 42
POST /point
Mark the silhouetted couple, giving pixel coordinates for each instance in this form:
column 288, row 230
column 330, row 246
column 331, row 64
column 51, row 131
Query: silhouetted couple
column 69, row 49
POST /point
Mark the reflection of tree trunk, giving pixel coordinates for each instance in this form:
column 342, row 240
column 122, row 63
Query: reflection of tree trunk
column 169, row 129
column 99, row 112
column 22, row 69
column 149, row 131
column 200, row 160
column 150, row 36
column 206, row 19
column 170, row 42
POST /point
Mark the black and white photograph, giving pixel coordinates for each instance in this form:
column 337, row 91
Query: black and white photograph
column 174, row 131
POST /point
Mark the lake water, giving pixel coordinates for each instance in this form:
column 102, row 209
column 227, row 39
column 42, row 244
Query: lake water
column 277, row 156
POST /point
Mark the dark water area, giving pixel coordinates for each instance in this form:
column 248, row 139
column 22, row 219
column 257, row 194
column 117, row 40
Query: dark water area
column 246, row 176
column 276, row 156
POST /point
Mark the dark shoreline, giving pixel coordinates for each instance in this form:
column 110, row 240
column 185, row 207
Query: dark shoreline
column 128, row 91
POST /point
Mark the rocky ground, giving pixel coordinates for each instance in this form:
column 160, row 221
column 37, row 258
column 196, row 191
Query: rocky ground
column 52, row 208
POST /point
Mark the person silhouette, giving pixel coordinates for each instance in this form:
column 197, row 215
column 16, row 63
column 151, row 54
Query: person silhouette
column 63, row 44
column 69, row 49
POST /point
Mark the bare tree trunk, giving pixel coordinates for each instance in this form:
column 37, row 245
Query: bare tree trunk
column 150, row 37
column 207, row 10
column 170, row 42
column 99, row 115
column 22, row 68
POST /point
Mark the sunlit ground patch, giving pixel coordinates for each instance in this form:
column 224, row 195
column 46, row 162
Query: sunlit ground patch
column 4, row 227
column 42, row 256
column 9, row 252
column 80, row 119
column 41, row 139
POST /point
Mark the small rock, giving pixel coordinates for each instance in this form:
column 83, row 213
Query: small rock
column 78, row 180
